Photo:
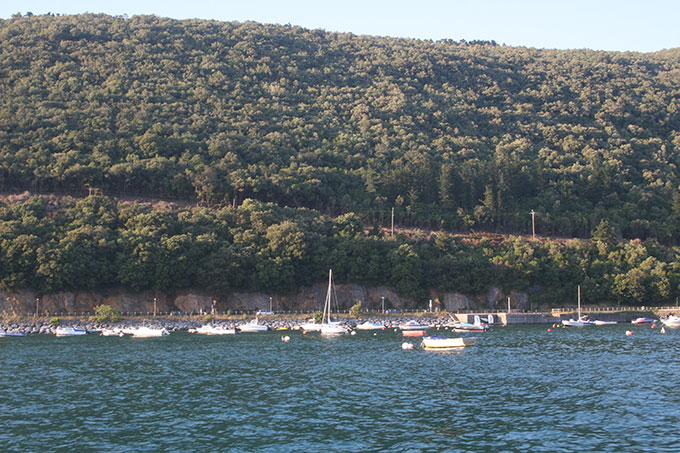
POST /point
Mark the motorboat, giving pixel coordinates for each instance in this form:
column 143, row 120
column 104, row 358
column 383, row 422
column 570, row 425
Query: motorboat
column 253, row 326
column 311, row 326
column 604, row 323
column 111, row 333
column 581, row 321
column 12, row 334
column 413, row 325
column 642, row 320
column 443, row 343
column 329, row 327
column 69, row 331
column 476, row 326
column 370, row 326
column 672, row 321
column 145, row 332
column 209, row 329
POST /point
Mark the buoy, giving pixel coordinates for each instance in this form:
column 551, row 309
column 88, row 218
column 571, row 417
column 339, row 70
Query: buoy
column 662, row 330
column 629, row 332
column 375, row 334
column 285, row 339
column 304, row 332
column 395, row 330
column 353, row 332
column 549, row 329
column 406, row 346
column 653, row 325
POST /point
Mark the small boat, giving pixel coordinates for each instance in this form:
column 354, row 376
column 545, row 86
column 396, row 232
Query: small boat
column 582, row 320
column 111, row 333
column 476, row 326
column 69, row 331
column 12, row 334
column 413, row 333
column 604, row 323
column 672, row 321
column 370, row 326
column 311, row 326
column 253, row 326
column 145, row 332
column 443, row 343
column 210, row 329
column 413, row 325
column 329, row 327
column 642, row 320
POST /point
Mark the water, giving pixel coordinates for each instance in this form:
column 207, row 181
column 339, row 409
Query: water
column 518, row 389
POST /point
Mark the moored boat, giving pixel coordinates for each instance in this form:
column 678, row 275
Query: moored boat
column 671, row 321
column 209, row 329
column 413, row 333
column 443, row 343
column 144, row 332
column 604, row 323
column 581, row 321
column 12, row 334
column 253, row 326
column 329, row 327
column 370, row 326
column 111, row 333
column 69, row 331
column 413, row 325
column 642, row 321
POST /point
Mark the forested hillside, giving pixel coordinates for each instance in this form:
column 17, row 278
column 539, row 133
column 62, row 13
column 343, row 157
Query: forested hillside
column 453, row 135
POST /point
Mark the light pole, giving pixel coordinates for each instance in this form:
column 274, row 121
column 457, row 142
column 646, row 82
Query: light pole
column 533, row 224
column 508, row 304
column 270, row 305
column 383, row 303
column 154, row 306
column 37, row 301
column 212, row 312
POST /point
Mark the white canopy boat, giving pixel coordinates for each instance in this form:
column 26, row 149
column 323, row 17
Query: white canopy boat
column 69, row 331
column 476, row 326
column 253, row 326
column 370, row 326
column 671, row 321
column 311, row 326
column 144, row 332
column 582, row 320
column 443, row 343
column 329, row 327
column 111, row 333
column 413, row 325
column 209, row 329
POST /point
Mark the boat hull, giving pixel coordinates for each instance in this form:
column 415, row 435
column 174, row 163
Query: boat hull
column 440, row 343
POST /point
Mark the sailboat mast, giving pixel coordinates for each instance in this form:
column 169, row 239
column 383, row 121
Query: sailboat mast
column 327, row 305
column 579, row 301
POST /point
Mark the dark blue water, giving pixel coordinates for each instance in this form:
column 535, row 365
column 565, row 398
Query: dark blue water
column 518, row 389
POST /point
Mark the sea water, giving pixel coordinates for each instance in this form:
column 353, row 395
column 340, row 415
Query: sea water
column 517, row 389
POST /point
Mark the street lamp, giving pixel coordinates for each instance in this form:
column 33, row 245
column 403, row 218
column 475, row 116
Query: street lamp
column 154, row 306
column 383, row 303
column 37, row 301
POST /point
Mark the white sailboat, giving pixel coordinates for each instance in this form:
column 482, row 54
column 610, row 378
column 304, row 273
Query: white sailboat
column 582, row 320
column 329, row 327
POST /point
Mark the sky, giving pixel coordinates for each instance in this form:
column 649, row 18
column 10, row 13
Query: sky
column 614, row 25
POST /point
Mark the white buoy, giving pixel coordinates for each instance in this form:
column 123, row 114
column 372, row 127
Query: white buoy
column 406, row 346
column 285, row 339
column 629, row 332
column 353, row 332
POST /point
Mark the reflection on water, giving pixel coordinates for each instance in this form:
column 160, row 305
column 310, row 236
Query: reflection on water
column 517, row 389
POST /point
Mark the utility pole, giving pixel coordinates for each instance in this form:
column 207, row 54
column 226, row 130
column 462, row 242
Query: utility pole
column 533, row 224
column 270, row 305
column 37, row 301
column 508, row 304
column 392, row 221
column 383, row 303
column 154, row 306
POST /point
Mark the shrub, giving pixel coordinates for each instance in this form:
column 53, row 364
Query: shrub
column 356, row 310
column 54, row 322
column 106, row 313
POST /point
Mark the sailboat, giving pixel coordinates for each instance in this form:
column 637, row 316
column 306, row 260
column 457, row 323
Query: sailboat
column 582, row 320
column 329, row 327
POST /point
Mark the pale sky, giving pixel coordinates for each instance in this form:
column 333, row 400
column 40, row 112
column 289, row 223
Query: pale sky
column 636, row 25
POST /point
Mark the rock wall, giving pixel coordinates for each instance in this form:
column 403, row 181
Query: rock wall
column 26, row 301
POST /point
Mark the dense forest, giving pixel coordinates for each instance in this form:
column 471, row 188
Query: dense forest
column 289, row 148
column 67, row 244
column 453, row 135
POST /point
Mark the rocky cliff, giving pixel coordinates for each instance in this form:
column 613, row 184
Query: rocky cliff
column 304, row 299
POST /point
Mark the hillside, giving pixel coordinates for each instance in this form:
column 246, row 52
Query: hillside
column 453, row 135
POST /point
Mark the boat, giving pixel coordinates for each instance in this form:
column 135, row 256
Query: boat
column 642, row 320
column 145, row 332
column 111, row 333
column 413, row 325
column 476, row 326
column 443, row 343
column 604, row 323
column 311, row 326
column 581, row 321
column 329, row 327
column 672, row 321
column 12, row 334
column 370, row 326
column 253, row 326
column 209, row 329
column 69, row 331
